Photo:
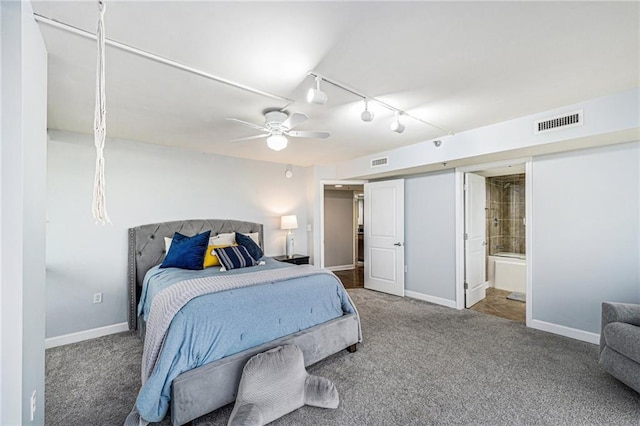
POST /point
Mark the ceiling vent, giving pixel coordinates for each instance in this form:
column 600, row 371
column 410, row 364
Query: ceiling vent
column 563, row 121
column 380, row 162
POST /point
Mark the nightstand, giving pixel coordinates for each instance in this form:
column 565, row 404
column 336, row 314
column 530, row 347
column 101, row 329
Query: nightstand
column 296, row 259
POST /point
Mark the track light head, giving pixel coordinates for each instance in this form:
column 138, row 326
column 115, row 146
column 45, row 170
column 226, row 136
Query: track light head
column 366, row 115
column 396, row 125
column 317, row 96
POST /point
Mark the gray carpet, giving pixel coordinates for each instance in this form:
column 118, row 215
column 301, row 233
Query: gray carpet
column 419, row 364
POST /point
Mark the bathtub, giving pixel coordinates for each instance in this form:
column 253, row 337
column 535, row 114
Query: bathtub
column 507, row 271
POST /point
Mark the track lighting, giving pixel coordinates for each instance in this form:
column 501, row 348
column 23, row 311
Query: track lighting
column 317, row 96
column 397, row 126
column 277, row 142
column 366, row 115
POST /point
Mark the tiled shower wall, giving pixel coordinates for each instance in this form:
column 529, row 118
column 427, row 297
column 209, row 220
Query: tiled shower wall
column 505, row 202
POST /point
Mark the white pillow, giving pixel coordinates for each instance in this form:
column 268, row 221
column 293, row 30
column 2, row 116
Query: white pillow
column 223, row 239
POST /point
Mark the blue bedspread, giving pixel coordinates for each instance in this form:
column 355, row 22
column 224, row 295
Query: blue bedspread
column 216, row 325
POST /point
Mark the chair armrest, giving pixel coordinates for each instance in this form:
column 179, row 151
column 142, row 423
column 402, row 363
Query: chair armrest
column 618, row 312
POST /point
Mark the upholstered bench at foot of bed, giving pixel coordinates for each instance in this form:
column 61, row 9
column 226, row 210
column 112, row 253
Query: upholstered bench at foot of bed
column 207, row 388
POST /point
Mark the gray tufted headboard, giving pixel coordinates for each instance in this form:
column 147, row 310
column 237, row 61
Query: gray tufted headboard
column 146, row 248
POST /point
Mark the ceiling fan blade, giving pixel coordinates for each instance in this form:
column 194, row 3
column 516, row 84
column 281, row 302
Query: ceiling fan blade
column 248, row 138
column 294, row 119
column 246, row 123
column 302, row 134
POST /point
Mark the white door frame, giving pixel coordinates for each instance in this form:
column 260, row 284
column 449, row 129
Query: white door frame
column 323, row 184
column 459, row 183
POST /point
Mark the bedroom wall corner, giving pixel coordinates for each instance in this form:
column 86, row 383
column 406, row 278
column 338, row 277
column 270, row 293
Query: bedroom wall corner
column 315, row 192
column 146, row 183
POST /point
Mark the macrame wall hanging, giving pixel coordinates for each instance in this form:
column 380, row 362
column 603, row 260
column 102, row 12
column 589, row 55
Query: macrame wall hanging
column 99, row 206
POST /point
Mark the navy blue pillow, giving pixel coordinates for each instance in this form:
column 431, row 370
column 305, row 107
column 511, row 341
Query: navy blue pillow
column 254, row 250
column 187, row 252
column 234, row 257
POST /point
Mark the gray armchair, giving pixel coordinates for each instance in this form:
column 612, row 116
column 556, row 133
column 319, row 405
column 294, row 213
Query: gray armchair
column 620, row 342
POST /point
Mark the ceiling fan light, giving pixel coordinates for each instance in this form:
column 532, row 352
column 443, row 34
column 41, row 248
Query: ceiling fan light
column 277, row 142
column 315, row 95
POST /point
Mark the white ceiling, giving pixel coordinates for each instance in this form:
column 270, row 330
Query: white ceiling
column 458, row 65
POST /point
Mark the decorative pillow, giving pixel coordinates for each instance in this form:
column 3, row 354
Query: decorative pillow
column 210, row 257
column 247, row 242
column 235, row 257
column 275, row 383
column 187, row 252
column 167, row 244
column 255, row 236
column 223, row 239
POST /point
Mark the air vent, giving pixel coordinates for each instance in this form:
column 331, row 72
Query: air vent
column 563, row 121
column 380, row 162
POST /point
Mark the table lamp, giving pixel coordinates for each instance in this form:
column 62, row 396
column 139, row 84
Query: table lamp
column 289, row 222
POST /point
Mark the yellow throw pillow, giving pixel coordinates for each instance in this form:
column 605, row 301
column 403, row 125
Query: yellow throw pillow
column 210, row 258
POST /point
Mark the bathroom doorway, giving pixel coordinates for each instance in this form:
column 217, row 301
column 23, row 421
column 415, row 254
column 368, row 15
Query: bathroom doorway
column 501, row 288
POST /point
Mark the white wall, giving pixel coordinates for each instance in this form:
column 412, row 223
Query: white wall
column 22, row 202
column 145, row 184
column 430, row 232
column 586, row 234
column 338, row 228
column 607, row 120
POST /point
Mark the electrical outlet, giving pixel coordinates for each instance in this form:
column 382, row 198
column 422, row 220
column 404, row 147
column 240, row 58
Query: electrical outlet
column 97, row 298
column 33, row 404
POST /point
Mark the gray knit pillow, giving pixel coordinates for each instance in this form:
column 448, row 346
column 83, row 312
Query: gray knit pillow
column 275, row 383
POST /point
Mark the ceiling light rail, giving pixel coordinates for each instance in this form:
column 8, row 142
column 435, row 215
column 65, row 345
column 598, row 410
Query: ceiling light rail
column 368, row 98
column 160, row 59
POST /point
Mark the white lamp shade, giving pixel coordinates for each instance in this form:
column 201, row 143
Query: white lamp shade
column 277, row 142
column 289, row 222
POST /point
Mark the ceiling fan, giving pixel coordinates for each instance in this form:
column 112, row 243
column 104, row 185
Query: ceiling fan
column 277, row 126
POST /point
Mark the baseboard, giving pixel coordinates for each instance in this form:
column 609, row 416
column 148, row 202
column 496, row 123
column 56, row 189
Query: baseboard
column 340, row 267
column 433, row 299
column 573, row 333
column 66, row 339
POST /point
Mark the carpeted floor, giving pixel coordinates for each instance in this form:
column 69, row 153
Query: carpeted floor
column 419, row 364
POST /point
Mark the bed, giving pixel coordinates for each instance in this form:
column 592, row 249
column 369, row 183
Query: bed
column 210, row 386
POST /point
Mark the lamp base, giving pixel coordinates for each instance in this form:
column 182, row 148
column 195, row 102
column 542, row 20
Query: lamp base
column 290, row 245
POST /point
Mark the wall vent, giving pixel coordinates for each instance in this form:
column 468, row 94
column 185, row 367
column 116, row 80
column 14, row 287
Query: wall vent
column 563, row 121
column 380, row 162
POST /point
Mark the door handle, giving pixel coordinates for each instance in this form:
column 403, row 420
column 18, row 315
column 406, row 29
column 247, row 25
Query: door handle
column 398, row 244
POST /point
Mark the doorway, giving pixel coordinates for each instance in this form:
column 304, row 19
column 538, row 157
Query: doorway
column 495, row 241
column 342, row 224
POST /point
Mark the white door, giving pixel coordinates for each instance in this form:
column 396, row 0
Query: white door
column 475, row 238
column 384, row 236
